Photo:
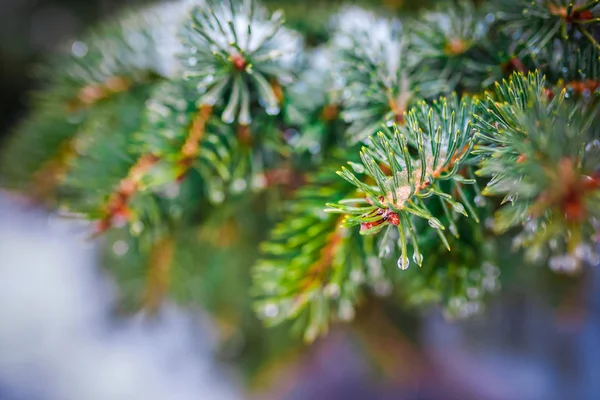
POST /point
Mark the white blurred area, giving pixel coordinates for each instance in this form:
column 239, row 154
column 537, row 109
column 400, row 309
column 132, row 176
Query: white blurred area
column 58, row 340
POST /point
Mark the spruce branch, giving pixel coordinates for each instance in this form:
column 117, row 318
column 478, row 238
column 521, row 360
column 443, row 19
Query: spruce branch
column 407, row 168
column 312, row 269
column 382, row 70
column 236, row 54
column 542, row 157
column 536, row 23
column 453, row 43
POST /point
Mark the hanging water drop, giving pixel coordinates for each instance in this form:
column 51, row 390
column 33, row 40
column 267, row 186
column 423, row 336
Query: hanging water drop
column 434, row 223
column 272, row 110
column 418, row 258
column 403, row 262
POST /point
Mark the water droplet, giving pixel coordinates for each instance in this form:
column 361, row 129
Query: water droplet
column 79, row 49
column 346, row 311
column 332, row 290
column 272, row 110
column 271, row 310
column 434, row 223
column 228, row 117
column 193, row 50
column 314, row 148
column 490, row 269
column 172, row 190
column 594, row 259
column 137, row 227
column 582, row 252
column 473, row 292
column 259, row 181
column 217, row 196
column 418, row 258
column 386, row 251
column 192, row 61
column 456, row 302
column 563, row 263
column 357, row 276
column 120, row 247
column 453, row 230
column 490, row 18
column 239, row 185
column 403, row 263
column 458, row 208
column 383, row 288
column 480, row 201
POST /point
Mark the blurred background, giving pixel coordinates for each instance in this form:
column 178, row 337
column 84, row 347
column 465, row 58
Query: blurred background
column 60, row 338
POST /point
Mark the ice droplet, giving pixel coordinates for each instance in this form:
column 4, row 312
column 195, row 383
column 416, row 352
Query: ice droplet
column 271, row 310
column 403, row 262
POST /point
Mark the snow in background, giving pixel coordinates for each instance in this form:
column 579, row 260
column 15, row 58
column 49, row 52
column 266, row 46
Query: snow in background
column 58, row 340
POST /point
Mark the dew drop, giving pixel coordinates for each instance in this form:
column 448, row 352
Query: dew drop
column 453, row 230
column 386, row 251
column 582, row 252
column 271, row 310
column 79, row 49
column 434, row 223
column 418, row 258
column 314, row 148
column 480, row 201
column 217, row 196
column 272, row 110
column 259, row 181
column 357, row 276
column 403, row 263
column 594, row 259
column 239, row 185
column 120, row 247
column 192, row 61
column 473, row 292
column 383, row 288
column 332, row 290
column 137, row 227
column 346, row 311
column 458, row 208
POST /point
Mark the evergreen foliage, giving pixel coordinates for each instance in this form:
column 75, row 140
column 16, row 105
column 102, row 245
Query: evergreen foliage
column 206, row 124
